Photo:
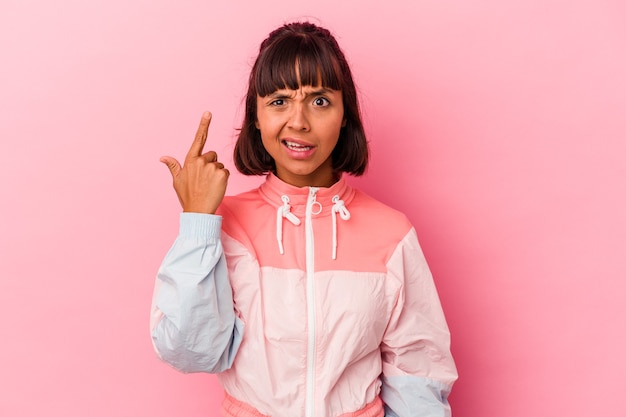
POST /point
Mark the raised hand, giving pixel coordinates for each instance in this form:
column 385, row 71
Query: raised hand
column 201, row 182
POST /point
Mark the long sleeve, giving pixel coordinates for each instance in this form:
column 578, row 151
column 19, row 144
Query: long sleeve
column 193, row 322
column 418, row 369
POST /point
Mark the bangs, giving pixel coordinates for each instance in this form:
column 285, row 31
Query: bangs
column 292, row 62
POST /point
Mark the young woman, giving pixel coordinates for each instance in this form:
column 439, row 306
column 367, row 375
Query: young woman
column 306, row 296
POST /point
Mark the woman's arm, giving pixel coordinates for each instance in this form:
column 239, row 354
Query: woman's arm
column 418, row 369
column 193, row 324
column 194, row 327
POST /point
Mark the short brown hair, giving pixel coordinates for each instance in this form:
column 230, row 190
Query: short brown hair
column 314, row 52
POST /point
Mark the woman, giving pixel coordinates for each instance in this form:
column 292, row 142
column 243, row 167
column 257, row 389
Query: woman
column 306, row 296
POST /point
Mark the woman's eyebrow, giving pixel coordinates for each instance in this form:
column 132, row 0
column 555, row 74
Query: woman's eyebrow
column 281, row 94
column 318, row 91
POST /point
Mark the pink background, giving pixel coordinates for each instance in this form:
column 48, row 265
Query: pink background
column 497, row 126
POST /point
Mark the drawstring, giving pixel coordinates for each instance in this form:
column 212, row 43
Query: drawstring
column 284, row 211
column 338, row 207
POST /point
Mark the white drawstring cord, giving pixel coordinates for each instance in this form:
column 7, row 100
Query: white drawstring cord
column 338, row 207
column 284, row 211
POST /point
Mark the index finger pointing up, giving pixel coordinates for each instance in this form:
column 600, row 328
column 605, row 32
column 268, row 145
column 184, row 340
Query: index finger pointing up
column 201, row 135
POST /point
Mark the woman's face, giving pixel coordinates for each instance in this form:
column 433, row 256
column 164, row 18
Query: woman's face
column 299, row 129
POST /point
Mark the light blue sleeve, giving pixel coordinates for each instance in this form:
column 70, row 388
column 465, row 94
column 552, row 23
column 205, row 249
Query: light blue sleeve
column 415, row 396
column 196, row 329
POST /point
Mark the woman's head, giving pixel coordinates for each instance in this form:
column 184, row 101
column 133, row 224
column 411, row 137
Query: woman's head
column 293, row 56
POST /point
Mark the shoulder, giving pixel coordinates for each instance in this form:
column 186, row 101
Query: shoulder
column 379, row 214
column 375, row 230
column 243, row 213
column 234, row 204
column 371, row 236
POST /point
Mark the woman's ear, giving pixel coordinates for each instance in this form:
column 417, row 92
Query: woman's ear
column 343, row 123
column 256, row 123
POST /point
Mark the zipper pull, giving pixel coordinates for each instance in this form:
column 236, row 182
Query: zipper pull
column 312, row 203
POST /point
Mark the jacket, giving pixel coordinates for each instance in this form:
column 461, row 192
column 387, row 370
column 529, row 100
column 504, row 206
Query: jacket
column 313, row 302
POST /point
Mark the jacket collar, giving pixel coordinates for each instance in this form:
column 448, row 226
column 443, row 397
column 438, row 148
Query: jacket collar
column 273, row 189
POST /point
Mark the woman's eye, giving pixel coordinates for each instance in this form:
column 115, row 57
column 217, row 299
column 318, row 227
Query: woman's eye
column 321, row 101
column 277, row 102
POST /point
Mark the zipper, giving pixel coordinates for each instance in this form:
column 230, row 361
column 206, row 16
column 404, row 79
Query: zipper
column 310, row 302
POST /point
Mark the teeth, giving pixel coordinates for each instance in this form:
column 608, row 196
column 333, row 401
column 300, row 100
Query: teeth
column 297, row 147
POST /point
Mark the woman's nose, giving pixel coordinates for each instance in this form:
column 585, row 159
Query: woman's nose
column 298, row 119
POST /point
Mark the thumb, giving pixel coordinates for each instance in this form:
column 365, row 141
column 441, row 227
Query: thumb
column 172, row 164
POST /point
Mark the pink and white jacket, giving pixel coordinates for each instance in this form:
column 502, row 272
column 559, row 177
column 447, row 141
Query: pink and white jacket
column 308, row 302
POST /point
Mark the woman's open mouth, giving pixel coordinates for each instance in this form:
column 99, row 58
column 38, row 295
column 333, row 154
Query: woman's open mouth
column 296, row 146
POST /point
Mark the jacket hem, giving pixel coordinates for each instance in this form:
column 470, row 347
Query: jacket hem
column 231, row 407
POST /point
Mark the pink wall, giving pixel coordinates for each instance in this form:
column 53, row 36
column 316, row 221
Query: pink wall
column 501, row 124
